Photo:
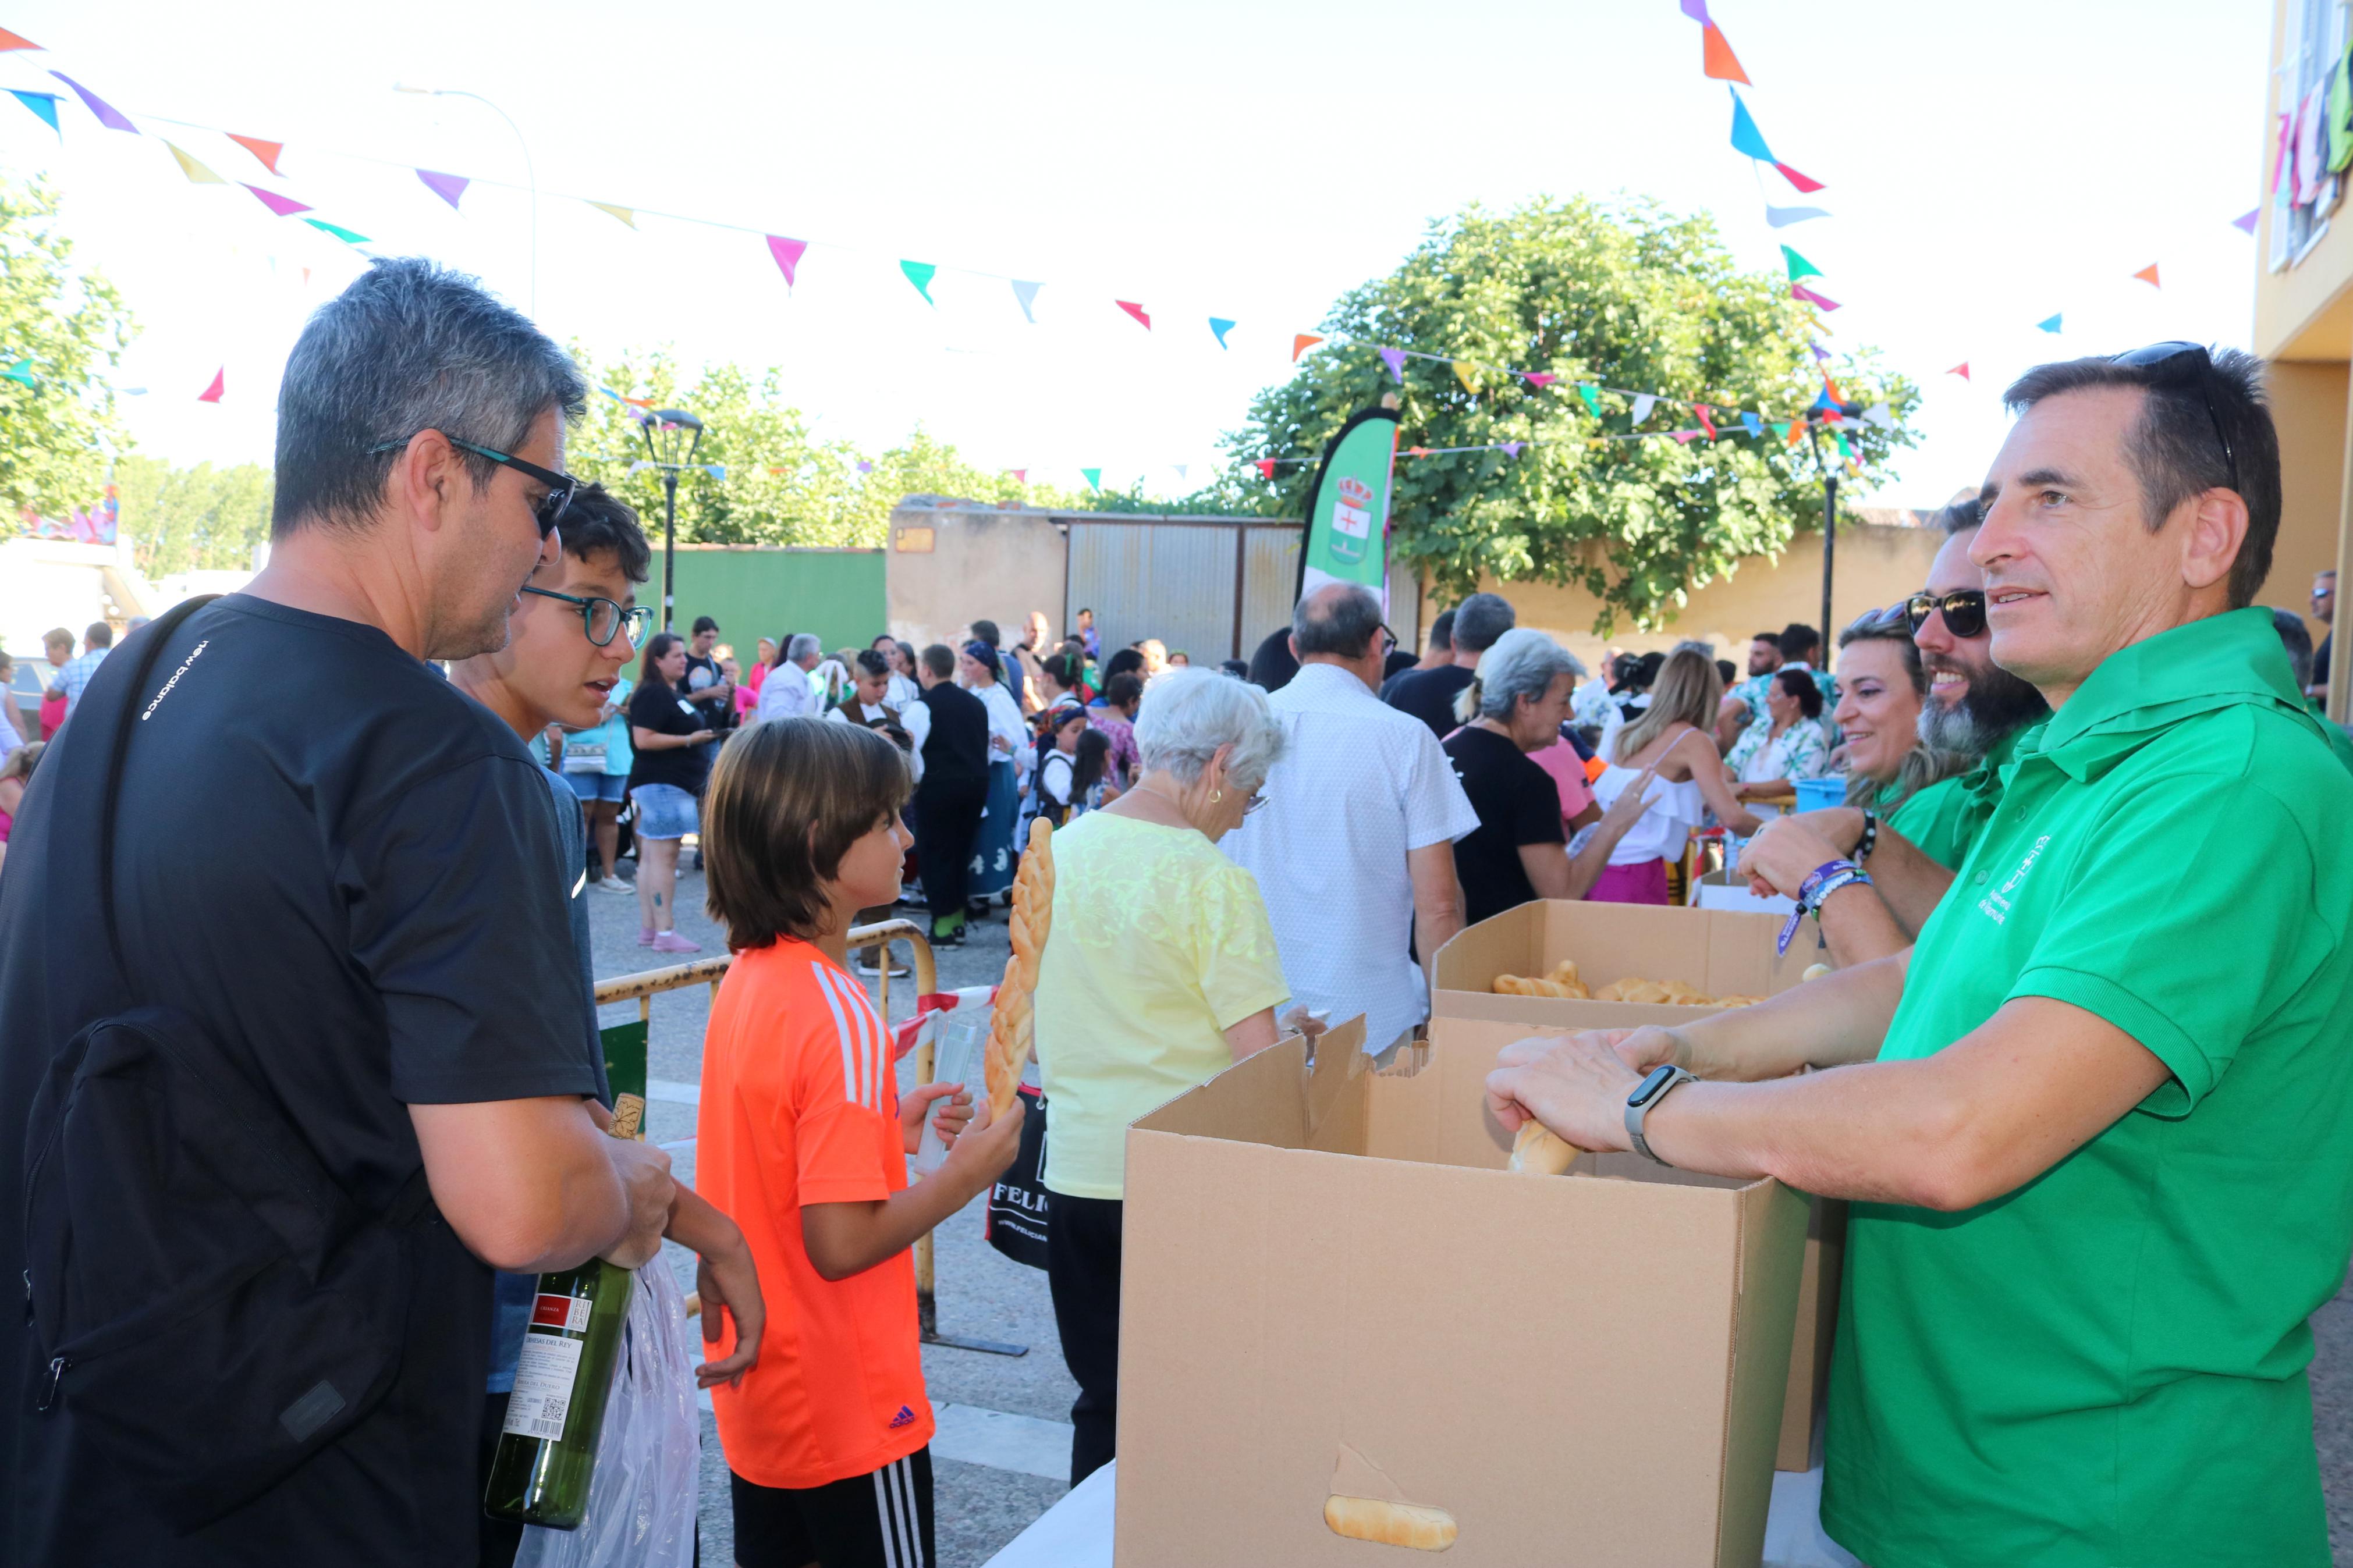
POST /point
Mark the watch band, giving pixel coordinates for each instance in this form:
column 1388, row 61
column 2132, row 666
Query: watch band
column 1647, row 1094
column 1869, row 840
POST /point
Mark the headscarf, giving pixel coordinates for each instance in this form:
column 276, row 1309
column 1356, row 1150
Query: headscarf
column 980, row 653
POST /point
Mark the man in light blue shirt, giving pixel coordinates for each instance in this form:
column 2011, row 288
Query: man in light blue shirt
column 96, row 641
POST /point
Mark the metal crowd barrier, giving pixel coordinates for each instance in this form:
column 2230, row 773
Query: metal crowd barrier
column 644, row 987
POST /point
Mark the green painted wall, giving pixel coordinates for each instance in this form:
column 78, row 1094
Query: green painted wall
column 756, row 591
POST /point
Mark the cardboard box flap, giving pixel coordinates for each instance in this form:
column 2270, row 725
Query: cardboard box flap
column 1336, row 1091
column 1262, row 1099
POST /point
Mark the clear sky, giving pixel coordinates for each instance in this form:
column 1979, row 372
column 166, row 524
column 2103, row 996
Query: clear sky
column 1987, row 165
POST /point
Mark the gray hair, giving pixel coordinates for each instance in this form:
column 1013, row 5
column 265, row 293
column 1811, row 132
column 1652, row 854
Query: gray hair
column 409, row 346
column 1522, row 663
column 1188, row 714
column 803, row 645
column 1338, row 618
column 1479, row 619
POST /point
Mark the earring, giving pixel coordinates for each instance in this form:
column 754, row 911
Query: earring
column 1216, row 795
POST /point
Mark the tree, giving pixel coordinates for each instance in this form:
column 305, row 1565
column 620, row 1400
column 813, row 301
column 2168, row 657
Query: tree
column 181, row 519
column 1626, row 296
column 65, row 328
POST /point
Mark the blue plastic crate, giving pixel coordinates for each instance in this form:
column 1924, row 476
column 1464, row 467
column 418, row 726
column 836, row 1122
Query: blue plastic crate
column 1816, row 794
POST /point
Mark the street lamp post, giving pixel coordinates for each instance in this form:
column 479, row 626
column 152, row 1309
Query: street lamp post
column 680, row 436
column 1830, row 518
column 531, row 171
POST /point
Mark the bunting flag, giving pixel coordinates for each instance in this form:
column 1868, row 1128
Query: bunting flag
column 1026, row 295
column 864, row 466
column 1797, row 429
column 1961, row 370
column 920, row 273
column 108, row 115
column 1782, row 218
column 1181, row 471
column 1220, row 326
column 1301, row 343
column 1093, row 478
column 284, row 207
column 1538, row 379
column 338, row 230
column 1643, row 403
column 1265, row 467
column 1021, row 476
column 448, row 187
column 1806, row 187
column 197, row 174
column 1755, row 425
column 1133, row 308
column 1685, row 437
column 44, row 104
column 2148, row 275
column 1716, row 58
column 264, row 153
column 627, row 215
column 1879, row 414
column 1511, row 448
column 1818, row 301
column 2050, row 325
column 1706, row 424
column 220, row 383
column 22, row 371
column 1467, row 373
column 1822, row 354
column 9, row 40
column 788, row 253
column 632, row 401
column 1798, row 266
column 1746, row 137
column 1592, row 396
column 1697, row 11
column 2245, row 222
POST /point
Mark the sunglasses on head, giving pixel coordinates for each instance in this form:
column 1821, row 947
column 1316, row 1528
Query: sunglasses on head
column 1964, row 610
column 2194, row 358
column 551, row 507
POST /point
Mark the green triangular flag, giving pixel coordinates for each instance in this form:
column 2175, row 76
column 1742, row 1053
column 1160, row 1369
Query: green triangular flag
column 1844, row 450
column 1093, row 478
column 1592, row 396
column 338, row 230
column 920, row 274
column 1798, row 266
column 21, row 370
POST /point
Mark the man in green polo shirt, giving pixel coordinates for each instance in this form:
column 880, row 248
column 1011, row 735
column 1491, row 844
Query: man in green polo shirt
column 2097, row 1126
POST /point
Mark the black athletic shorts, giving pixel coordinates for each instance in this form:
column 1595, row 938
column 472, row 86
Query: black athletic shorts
column 878, row 1521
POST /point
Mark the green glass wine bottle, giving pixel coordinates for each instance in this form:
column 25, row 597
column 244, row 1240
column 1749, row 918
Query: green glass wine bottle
column 547, row 1450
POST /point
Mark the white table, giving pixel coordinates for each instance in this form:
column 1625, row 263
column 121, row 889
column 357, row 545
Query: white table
column 1076, row 1533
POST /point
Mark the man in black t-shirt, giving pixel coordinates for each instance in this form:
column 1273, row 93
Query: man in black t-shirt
column 347, row 873
column 1429, row 694
column 954, row 789
column 706, row 684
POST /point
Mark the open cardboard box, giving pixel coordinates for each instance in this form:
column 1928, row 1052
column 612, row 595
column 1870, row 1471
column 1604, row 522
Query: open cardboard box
column 1722, row 953
column 1333, row 1285
column 1726, row 890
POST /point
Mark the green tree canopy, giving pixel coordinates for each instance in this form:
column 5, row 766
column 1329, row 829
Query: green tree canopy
column 65, row 328
column 184, row 519
column 1613, row 296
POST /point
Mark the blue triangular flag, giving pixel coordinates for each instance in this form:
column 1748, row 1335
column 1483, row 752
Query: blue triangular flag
column 2050, row 325
column 1746, row 137
column 44, row 104
column 1782, row 218
column 1755, row 425
column 1220, row 326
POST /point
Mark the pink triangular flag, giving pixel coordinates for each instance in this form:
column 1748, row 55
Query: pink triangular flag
column 284, row 207
column 448, row 187
column 212, row 394
column 1820, row 301
column 1265, row 467
column 1541, row 379
column 1803, row 184
column 787, row 253
column 1135, row 310
column 1961, row 370
column 1020, row 476
column 1685, row 437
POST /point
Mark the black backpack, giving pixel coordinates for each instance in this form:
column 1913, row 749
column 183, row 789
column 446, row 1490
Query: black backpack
column 212, row 1307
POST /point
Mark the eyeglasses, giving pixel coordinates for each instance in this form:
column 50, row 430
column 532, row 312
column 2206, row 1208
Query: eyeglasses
column 2157, row 354
column 602, row 618
column 560, row 487
column 1257, row 800
column 1964, row 610
column 1388, row 642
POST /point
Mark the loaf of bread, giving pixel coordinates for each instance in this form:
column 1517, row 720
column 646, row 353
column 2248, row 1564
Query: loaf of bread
column 1518, row 985
column 1389, row 1523
column 1539, row 1151
column 1010, row 1030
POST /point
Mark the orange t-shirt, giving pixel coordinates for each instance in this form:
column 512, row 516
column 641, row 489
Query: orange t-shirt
column 800, row 1106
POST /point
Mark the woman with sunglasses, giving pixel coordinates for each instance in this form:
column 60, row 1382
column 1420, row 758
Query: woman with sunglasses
column 670, row 737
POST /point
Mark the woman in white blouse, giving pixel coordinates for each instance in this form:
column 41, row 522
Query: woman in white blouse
column 1787, row 743
column 1675, row 737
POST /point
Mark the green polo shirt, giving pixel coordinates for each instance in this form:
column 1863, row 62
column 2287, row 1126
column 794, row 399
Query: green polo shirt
column 1941, row 821
column 2339, row 742
column 2107, row 1365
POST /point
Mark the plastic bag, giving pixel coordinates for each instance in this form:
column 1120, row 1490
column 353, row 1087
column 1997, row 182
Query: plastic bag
column 649, row 1475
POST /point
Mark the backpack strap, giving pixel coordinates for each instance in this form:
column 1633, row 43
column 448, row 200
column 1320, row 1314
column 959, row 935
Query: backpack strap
column 151, row 648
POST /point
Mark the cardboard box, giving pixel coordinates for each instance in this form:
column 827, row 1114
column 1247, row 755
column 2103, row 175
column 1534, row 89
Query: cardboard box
column 1721, row 952
column 1333, row 1285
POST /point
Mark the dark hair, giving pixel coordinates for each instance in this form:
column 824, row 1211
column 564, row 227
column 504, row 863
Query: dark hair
column 2298, row 640
column 1061, row 719
column 1773, row 638
column 1727, row 668
column 786, row 800
column 1959, row 517
column 598, row 521
column 1441, row 632
column 1125, row 690
column 914, row 660
column 1273, row 665
column 985, row 631
column 1091, row 761
column 1479, row 619
column 2176, row 450
column 657, row 647
column 704, row 624
column 1799, row 639
column 1237, row 669
column 98, row 634
column 940, row 659
column 1799, row 684
column 1125, row 661
column 873, row 663
column 1646, row 667
column 409, row 346
column 1890, row 625
column 884, row 637
column 1340, row 619
column 1084, row 611
column 1397, row 662
column 1065, row 670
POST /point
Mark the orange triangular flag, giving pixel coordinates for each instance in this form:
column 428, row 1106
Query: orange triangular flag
column 1302, row 343
column 2148, row 275
column 1716, row 58
column 267, row 152
column 1797, row 429
column 1961, row 370
column 212, row 394
column 9, row 40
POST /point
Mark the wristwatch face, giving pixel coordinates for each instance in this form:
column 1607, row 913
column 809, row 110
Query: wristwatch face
column 1650, row 1086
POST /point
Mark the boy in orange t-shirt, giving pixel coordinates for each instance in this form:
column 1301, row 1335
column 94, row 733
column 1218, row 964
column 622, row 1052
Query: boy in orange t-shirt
column 803, row 1138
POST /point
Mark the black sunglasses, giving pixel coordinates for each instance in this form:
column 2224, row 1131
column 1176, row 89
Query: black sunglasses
column 1964, row 610
column 2165, row 353
column 551, row 507
column 603, row 618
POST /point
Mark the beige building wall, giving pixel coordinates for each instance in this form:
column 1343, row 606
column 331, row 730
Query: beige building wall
column 1876, row 566
column 2308, row 406
column 945, row 559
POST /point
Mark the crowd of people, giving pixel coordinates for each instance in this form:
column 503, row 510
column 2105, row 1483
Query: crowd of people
column 403, row 754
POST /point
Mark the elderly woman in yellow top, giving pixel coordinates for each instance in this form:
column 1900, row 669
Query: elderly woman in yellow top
column 1161, row 973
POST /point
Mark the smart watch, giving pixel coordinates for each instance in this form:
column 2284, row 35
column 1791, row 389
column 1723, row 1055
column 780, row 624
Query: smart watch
column 1646, row 1096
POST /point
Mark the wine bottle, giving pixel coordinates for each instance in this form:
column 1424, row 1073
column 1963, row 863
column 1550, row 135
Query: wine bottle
column 546, row 1455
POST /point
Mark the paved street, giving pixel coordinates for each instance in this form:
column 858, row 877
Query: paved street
column 994, row 1474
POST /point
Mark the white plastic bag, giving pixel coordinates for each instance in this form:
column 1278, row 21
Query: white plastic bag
column 642, row 1498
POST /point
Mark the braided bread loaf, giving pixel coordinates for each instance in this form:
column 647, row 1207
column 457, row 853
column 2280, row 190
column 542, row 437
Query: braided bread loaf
column 1010, row 1034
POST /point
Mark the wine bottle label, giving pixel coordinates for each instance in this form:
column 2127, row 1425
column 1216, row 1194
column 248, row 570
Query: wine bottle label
column 566, row 1313
column 543, row 1385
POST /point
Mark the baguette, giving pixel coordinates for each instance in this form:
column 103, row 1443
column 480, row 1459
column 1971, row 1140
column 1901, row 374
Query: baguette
column 1539, row 1151
column 1389, row 1523
column 1011, row 1029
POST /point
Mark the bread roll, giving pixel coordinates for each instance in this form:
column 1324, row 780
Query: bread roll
column 1539, row 1151
column 1389, row 1523
column 1814, row 971
column 1565, row 972
column 1010, row 1034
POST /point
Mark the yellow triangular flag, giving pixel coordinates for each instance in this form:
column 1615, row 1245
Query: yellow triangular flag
column 1466, row 373
column 627, row 215
column 197, row 174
